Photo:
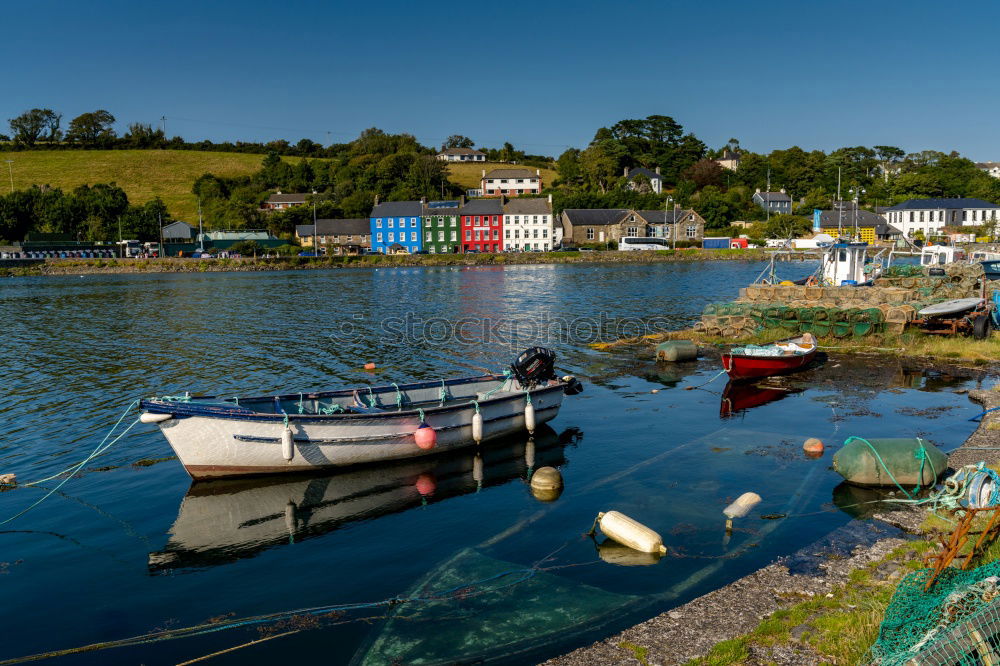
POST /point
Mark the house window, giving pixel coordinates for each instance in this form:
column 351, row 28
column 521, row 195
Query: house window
column 534, row 220
column 453, row 235
column 590, row 233
column 440, row 236
column 432, row 250
column 479, row 235
column 545, row 234
column 429, row 236
column 413, row 236
column 692, row 231
column 378, row 223
column 496, row 220
column 536, row 236
column 468, row 235
column 413, row 221
column 378, row 237
column 496, row 234
column 506, row 233
column 477, row 219
column 517, row 233
column 632, row 231
column 392, row 236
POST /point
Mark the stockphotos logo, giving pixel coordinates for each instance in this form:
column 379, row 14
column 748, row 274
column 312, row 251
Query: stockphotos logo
column 414, row 329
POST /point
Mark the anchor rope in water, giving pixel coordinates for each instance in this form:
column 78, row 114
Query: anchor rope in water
column 73, row 469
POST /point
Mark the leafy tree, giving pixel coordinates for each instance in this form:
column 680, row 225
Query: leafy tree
column 141, row 135
column 30, row 126
column 92, row 128
column 781, row 226
column 247, row 248
column 704, row 172
column 458, row 141
column 568, row 166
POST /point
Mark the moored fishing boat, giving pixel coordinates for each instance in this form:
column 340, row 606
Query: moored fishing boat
column 777, row 358
column 217, row 436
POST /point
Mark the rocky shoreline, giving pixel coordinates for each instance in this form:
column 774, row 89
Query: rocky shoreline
column 692, row 630
column 10, row 268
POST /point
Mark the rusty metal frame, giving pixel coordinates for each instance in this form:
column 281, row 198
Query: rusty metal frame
column 952, row 546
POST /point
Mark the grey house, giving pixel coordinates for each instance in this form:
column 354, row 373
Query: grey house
column 777, row 202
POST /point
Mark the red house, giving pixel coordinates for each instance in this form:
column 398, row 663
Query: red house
column 482, row 225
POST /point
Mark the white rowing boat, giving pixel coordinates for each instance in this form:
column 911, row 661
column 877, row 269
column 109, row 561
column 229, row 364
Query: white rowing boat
column 956, row 306
column 218, row 437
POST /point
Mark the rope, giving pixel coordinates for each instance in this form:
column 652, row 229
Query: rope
column 301, row 407
column 175, row 398
column 421, row 413
column 979, row 416
column 371, row 397
column 476, row 403
column 443, row 393
column 399, row 397
column 719, row 374
column 101, row 448
column 506, row 378
column 527, row 394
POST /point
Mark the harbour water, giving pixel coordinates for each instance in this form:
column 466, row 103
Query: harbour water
column 490, row 571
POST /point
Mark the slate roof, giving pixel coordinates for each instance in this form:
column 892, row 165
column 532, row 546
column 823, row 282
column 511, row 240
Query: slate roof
column 482, row 207
column 595, row 216
column 987, row 165
column 461, row 151
column 664, row 217
column 304, row 230
column 773, row 196
column 830, row 218
column 352, row 226
column 947, row 204
column 642, row 171
column 511, row 173
column 397, row 209
column 287, row 198
column 528, row 206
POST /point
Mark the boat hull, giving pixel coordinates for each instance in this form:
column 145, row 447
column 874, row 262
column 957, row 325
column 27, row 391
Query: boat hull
column 210, row 446
column 755, row 367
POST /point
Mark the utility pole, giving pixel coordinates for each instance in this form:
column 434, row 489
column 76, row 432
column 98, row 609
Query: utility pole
column 159, row 217
column 767, row 195
column 201, row 233
column 840, row 208
column 163, row 121
column 315, row 228
column 10, row 170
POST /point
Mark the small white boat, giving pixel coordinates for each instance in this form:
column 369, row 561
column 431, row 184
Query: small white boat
column 956, row 306
column 220, row 436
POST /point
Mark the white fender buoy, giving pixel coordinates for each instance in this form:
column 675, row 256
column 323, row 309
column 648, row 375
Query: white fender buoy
column 529, row 418
column 740, row 508
column 635, row 535
column 149, row 417
column 477, row 427
column 287, row 445
column 425, row 436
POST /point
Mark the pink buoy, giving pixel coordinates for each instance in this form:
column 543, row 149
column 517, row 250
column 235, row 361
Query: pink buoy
column 813, row 447
column 369, row 366
column 425, row 437
column 425, row 485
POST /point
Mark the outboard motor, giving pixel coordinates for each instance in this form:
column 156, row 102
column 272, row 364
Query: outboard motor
column 534, row 366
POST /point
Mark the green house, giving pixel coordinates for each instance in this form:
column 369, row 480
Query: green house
column 441, row 227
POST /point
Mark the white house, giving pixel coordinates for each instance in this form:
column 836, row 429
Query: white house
column 992, row 168
column 528, row 224
column 930, row 216
column 511, row 182
column 777, row 202
column 461, row 155
column 635, row 176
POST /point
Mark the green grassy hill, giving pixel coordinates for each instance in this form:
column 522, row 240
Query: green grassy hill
column 469, row 174
column 143, row 174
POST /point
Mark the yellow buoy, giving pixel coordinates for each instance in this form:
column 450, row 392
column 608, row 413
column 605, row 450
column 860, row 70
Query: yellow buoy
column 631, row 533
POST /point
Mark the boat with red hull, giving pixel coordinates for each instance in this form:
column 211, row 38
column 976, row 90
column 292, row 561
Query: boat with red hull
column 778, row 358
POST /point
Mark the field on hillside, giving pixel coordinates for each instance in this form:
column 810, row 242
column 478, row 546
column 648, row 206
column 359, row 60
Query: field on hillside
column 143, row 174
column 469, row 175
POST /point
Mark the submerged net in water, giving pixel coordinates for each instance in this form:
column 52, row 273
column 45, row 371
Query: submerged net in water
column 957, row 622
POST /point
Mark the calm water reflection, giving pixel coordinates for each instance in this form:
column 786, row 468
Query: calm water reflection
column 128, row 549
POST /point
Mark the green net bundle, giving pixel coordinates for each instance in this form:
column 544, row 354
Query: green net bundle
column 956, row 622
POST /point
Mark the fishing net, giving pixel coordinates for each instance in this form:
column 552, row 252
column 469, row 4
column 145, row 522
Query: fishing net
column 956, row 622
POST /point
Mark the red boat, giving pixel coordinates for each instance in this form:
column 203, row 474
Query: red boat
column 738, row 397
column 777, row 358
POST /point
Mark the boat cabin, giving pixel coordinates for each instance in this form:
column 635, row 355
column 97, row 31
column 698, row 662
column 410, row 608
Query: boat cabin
column 936, row 255
column 844, row 264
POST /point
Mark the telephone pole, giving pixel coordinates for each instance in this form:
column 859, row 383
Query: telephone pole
column 163, row 121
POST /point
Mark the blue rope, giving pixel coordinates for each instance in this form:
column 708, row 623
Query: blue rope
column 979, row 416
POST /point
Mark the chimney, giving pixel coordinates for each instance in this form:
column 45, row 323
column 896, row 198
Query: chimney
column 423, row 201
column 758, row 190
column 550, row 198
column 461, row 201
column 484, row 173
column 279, row 191
column 626, row 172
column 376, row 199
column 657, row 171
column 538, row 172
column 782, row 190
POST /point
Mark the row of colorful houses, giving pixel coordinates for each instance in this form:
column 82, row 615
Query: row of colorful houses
column 479, row 225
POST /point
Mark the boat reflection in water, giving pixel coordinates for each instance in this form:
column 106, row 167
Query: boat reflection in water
column 738, row 397
column 223, row 521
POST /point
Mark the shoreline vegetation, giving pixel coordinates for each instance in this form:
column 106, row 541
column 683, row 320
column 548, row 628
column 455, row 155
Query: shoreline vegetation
column 177, row 265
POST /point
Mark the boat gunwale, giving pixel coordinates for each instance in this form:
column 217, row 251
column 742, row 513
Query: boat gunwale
column 814, row 349
column 192, row 409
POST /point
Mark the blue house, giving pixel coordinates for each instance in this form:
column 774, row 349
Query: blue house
column 396, row 226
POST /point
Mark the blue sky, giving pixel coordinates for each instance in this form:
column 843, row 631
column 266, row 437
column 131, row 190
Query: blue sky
column 545, row 76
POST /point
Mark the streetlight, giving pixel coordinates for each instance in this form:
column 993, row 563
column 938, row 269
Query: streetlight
column 10, row 170
column 856, row 193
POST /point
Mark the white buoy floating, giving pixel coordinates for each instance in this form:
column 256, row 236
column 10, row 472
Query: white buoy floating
column 740, row 508
column 529, row 416
column 477, row 427
column 287, row 444
column 619, row 527
column 149, row 417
